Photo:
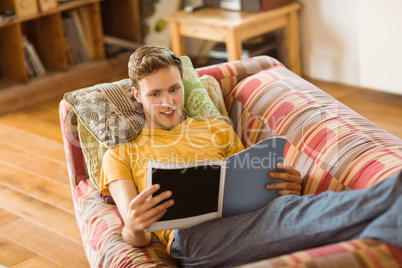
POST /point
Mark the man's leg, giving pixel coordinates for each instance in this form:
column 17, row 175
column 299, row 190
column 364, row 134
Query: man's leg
column 292, row 223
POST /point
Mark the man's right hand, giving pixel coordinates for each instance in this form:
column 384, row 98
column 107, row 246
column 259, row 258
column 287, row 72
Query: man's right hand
column 143, row 211
column 138, row 210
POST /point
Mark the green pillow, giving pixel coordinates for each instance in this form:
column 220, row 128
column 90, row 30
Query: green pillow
column 197, row 102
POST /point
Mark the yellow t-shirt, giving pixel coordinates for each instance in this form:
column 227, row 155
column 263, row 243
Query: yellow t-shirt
column 193, row 140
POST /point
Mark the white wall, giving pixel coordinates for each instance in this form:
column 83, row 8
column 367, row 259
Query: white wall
column 355, row 42
column 380, row 39
column 329, row 40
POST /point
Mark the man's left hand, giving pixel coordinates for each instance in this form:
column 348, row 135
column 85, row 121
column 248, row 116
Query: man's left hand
column 292, row 182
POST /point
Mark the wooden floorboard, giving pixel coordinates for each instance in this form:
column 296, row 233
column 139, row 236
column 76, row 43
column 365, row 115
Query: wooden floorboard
column 29, row 122
column 26, row 141
column 12, row 253
column 33, row 163
column 45, row 242
column 37, row 224
column 44, row 214
column 38, row 261
column 29, row 184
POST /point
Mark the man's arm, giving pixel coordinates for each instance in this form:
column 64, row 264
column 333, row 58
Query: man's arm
column 138, row 210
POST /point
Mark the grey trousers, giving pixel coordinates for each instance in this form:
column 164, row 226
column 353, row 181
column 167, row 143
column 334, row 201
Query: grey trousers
column 291, row 223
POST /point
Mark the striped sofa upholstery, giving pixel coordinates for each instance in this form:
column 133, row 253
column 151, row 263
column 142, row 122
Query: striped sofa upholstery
column 333, row 147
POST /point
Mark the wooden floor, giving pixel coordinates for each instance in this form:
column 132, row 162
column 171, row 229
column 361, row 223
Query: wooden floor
column 37, row 223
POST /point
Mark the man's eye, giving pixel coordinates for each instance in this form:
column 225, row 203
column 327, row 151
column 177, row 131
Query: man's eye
column 155, row 94
column 174, row 89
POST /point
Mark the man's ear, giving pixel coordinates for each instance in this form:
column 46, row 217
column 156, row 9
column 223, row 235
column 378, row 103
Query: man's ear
column 136, row 94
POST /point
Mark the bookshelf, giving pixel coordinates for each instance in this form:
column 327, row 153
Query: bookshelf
column 46, row 31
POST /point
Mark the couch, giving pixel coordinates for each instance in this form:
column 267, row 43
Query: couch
column 335, row 149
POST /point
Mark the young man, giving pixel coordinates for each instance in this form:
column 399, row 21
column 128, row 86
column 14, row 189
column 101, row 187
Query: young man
column 287, row 224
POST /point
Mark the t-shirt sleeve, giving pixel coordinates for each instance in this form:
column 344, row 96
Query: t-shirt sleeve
column 115, row 166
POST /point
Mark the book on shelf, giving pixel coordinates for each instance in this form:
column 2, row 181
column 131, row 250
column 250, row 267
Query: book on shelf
column 206, row 190
column 257, row 46
column 115, row 46
column 87, row 32
column 219, row 51
column 32, row 61
column 28, row 62
column 71, row 35
column 79, row 36
column 230, row 4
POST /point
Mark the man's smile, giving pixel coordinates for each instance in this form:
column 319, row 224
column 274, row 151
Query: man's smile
column 169, row 113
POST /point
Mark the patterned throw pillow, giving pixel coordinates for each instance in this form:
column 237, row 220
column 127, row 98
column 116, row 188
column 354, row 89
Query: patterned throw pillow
column 197, row 102
column 109, row 115
column 109, row 111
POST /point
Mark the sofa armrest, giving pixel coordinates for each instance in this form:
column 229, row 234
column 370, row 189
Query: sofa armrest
column 75, row 160
column 356, row 253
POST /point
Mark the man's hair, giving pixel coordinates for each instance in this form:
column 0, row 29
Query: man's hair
column 149, row 59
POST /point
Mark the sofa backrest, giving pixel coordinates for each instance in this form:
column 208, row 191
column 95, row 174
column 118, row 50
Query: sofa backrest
column 334, row 147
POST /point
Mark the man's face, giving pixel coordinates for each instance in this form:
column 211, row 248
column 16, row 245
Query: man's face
column 162, row 96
